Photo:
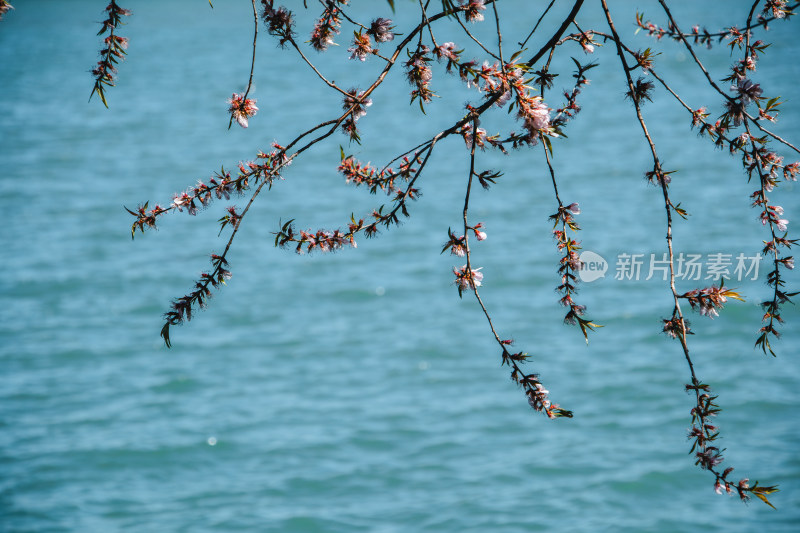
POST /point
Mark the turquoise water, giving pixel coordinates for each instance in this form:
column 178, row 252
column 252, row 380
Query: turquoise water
column 355, row 391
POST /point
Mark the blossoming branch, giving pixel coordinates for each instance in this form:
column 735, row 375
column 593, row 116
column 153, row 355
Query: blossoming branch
column 520, row 85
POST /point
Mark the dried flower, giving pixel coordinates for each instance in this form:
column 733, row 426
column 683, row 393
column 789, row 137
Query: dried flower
column 279, row 21
column 749, row 91
column 381, row 30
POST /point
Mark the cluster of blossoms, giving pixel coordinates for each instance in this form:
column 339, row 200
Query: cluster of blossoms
column 222, row 185
column 241, row 109
column 776, row 8
column 535, row 392
column 324, row 241
column 773, row 9
column 362, row 46
column 419, row 74
column 361, row 174
column 771, row 215
column 748, row 92
column 112, row 52
column 467, row 278
column 569, row 264
column 380, row 29
column 499, row 84
column 450, row 52
column 708, row 300
column 535, row 116
column 458, row 245
column 279, row 21
column 472, row 9
column 355, row 104
column 708, row 456
column 766, row 164
column 537, row 395
column 327, row 26
column 571, row 107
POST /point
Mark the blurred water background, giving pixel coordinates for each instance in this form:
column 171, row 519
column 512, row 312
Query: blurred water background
column 355, row 391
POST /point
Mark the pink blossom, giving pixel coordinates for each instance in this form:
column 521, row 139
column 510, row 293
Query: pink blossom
column 447, row 50
column 473, row 9
column 362, row 47
column 504, row 98
column 355, row 100
column 480, row 138
column 467, row 280
column 241, row 109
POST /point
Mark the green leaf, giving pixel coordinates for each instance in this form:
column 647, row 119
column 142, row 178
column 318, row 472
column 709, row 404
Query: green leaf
column 391, row 4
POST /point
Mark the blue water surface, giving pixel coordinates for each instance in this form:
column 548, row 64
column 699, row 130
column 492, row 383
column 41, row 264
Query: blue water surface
column 355, row 391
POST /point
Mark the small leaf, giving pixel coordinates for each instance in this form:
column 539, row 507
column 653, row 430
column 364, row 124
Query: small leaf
column 763, row 499
column 165, row 335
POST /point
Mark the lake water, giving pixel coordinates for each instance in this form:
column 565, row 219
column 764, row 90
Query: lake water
column 356, row 391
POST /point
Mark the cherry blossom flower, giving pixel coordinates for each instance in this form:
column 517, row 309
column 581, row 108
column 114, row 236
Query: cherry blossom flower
column 241, row 109
column 775, row 7
column 467, row 279
column 362, row 47
column 447, row 50
column 535, row 113
column 480, row 138
column 708, row 300
column 473, row 9
column 749, row 91
column 480, row 235
column 355, row 100
column 586, row 42
column 325, row 28
column 381, row 30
